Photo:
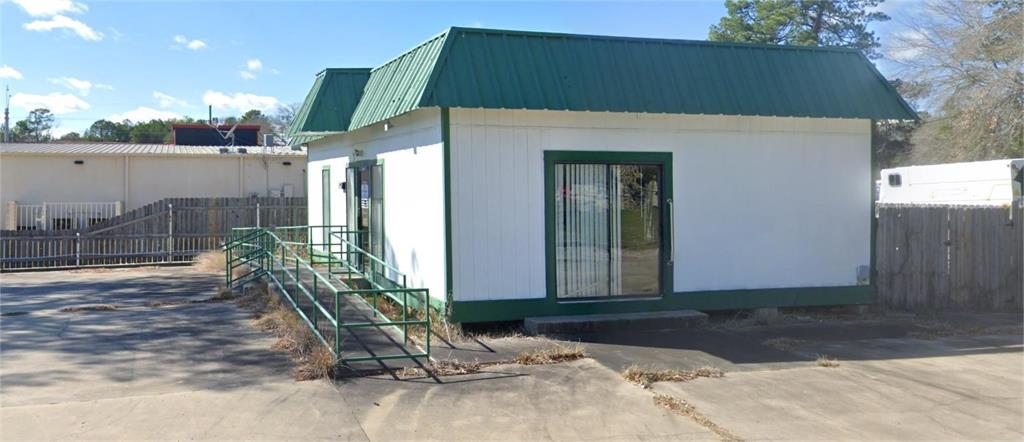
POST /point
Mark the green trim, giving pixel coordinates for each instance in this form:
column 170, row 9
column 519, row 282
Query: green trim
column 510, row 310
column 873, row 222
column 446, row 153
column 663, row 159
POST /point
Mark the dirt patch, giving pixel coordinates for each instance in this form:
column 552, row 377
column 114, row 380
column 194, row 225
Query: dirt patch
column 91, row 308
column 646, row 377
column 683, row 408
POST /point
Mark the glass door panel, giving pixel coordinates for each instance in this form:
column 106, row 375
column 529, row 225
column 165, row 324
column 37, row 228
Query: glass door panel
column 608, row 232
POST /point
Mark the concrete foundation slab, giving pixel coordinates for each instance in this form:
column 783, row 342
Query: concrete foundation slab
column 668, row 320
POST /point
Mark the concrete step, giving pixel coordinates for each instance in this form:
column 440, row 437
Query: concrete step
column 666, row 320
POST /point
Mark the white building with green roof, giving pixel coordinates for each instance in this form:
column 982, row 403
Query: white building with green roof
column 523, row 174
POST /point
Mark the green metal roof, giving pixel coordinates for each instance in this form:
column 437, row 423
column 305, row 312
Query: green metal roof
column 329, row 105
column 496, row 69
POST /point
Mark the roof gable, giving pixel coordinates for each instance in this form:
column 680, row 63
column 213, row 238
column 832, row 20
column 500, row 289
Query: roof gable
column 329, row 105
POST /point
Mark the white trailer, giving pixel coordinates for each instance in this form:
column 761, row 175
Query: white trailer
column 988, row 183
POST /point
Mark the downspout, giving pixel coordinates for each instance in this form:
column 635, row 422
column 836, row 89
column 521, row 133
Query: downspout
column 446, row 153
column 127, row 187
column 241, row 176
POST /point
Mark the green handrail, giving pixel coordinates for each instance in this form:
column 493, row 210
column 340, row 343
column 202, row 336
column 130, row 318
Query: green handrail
column 269, row 249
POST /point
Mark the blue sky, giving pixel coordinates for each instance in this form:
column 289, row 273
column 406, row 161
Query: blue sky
column 88, row 60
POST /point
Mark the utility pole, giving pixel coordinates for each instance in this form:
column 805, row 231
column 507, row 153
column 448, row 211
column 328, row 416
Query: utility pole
column 7, row 114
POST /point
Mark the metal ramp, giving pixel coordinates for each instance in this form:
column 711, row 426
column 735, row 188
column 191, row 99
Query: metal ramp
column 337, row 289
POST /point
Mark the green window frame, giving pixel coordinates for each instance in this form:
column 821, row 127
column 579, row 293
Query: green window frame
column 662, row 159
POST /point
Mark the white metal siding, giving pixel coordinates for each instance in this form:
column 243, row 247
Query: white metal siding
column 146, row 178
column 759, row 202
column 413, row 190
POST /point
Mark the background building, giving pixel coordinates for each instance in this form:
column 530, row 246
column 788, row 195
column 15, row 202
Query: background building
column 82, row 183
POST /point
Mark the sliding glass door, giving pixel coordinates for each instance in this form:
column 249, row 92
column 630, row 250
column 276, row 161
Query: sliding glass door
column 608, row 224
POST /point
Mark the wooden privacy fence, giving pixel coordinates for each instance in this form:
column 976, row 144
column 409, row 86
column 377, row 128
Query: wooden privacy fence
column 172, row 230
column 950, row 257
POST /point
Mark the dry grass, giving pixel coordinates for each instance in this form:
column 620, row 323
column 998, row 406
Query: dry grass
column 551, row 355
column 212, row 261
column 683, row 408
column 645, row 377
column 827, row 361
column 784, row 344
column 215, row 261
column 90, row 308
column 318, row 364
column 223, row 294
column 313, row 360
column 444, row 368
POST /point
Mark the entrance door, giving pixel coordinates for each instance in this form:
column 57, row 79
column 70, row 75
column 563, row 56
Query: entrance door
column 609, row 225
column 366, row 206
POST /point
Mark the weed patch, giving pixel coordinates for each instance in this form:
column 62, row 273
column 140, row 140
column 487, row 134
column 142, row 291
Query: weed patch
column 683, row 408
column 827, row 361
column 551, row 355
column 90, row 308
column 645, row 377
column 312, row 359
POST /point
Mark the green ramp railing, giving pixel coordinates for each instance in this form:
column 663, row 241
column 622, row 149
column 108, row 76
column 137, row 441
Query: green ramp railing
column 330, row 306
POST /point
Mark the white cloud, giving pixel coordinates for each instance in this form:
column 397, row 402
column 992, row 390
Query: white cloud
column 183, row 42
column 246, row 75
column 240, row 102
column 46, row 8
column 9, row 72
column 167, row 101
column 56, row 102
column 106, row 87
column 143, row 114
column 60, row 131
column 61, row 22
column 254, row 64
column 81, row 86
column 906, row 45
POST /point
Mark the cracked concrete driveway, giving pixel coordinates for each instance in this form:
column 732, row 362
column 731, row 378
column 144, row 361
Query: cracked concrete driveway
column 200, row 371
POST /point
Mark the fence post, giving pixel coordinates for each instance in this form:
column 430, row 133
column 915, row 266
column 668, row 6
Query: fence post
column 78, row 249
column 170, row 232
column 258, row 214
column 42, row 218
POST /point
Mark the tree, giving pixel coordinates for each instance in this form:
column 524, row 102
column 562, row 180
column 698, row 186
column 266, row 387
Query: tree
column 801, row 22
column 153, row 132
column 283, row 119
column 259, row 118
column 71, row 136
column 35, row 127
column 104, row 130
column 892, row 140
column 971, row 56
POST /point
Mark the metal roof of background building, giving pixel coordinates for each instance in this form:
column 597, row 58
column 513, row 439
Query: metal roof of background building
column 122, row 149
column 498, row 69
